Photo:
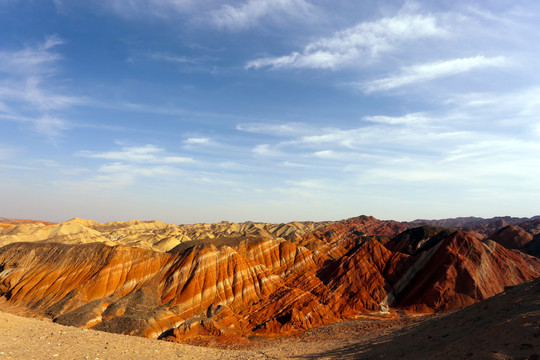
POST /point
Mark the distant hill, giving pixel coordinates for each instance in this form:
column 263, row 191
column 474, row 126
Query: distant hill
column 7, row 222
column 470, row 221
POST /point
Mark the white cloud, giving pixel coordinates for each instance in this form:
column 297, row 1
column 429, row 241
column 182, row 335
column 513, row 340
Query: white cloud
column 430, row 71
column 358, row 44
column 26, row 94
column 150, row 154
column 31, row 92
column 522, row 102
column 342, row 137
column 266, row 150
column 251, row 11
column 197, row 141
column 514, row 112
column 224, row 15
column 136, row 170
column 339, row 155
column 408, row 119
column 46, row 99
column 491, row 162
column 493, row 149
column 39, row 59
column 130, row 163
column 50, row 127
column 308, row 183
column 160, row 8
column 294, row 164
column 173, row 58
column 473, row 145
column 286, row 129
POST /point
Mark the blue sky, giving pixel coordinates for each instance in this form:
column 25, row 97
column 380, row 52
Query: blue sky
column 269, row 110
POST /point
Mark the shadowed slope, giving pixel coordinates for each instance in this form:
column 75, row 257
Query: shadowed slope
column 461, row 270
column 502, row 327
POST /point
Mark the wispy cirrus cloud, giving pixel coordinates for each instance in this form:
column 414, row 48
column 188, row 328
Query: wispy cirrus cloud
column 123, row 167
column 33, row 91
column 286, row 129
column 252, row 11
column 197, row 141
column 407, row 119
column 39, row 59
column 26, row 93
column 357, row 45
column 160, row 8
column 119, row 175
column 50, row 127
column 480, row 144
column 431, row 71
column 149, row 154
column 236, row 16
column 415, row 154
column 174, row 58
column 267, row 150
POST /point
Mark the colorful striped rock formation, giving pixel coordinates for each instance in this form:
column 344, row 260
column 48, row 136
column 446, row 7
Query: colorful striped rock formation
column 237, row 280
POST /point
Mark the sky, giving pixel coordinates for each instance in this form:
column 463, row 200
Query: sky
column 191, row 111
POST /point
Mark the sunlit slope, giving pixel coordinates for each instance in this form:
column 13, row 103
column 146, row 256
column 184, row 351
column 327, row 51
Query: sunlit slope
column 153, row 235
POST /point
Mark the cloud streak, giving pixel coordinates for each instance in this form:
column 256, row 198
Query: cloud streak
column 174, row 58
column 25, row 92
column 287, row 129
column 159, row 8
column 40, row 59
column 149, row 154
column 197, row 141
column 357, row 45
column 239, row 15
column 252, row 11
column 435, row 70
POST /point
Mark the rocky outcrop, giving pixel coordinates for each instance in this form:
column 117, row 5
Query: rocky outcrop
column 461, row 270
column 512, row 237
column 415, row 240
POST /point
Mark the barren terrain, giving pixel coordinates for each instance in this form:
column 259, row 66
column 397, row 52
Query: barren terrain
column 359, row 287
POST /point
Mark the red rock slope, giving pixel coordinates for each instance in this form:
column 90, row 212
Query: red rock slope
column 243, row 286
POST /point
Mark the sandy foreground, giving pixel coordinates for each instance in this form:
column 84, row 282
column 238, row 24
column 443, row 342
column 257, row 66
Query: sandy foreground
column 23, row 338
column 506, row 326
column 27, row 338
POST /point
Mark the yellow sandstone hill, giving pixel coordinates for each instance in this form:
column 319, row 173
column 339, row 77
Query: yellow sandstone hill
column 152, row 235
